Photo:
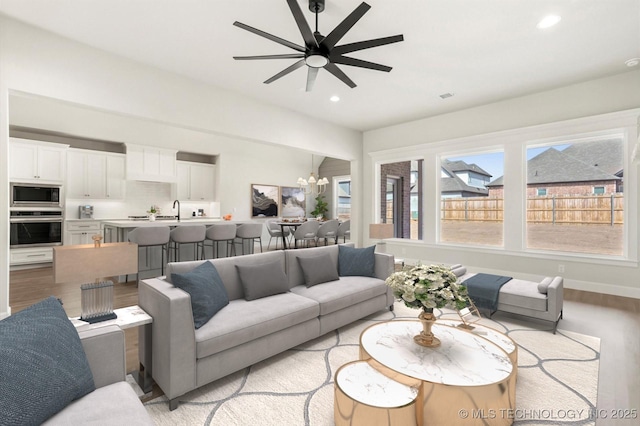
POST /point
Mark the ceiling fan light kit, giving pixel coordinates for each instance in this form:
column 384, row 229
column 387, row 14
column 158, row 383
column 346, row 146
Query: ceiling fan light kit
column 321, row 51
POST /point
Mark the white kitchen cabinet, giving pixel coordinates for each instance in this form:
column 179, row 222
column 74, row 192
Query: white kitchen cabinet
column 152, row 164
column 94, row 175
column 31, row 161
column 81, row 231
column 26, row 256
column 196, row 181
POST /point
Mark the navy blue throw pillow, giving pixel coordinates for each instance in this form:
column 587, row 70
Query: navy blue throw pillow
column 208, row 294
column 43, row 367
column 356, row 261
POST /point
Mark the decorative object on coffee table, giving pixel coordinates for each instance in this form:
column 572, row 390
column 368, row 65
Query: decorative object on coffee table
column 427, row 287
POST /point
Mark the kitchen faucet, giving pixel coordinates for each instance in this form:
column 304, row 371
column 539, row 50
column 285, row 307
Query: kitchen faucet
column 174, row 206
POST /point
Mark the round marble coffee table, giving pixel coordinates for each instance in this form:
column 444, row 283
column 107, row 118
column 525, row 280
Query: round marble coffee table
column 467, row 380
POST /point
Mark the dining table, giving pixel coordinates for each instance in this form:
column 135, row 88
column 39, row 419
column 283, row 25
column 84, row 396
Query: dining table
column 291, row 224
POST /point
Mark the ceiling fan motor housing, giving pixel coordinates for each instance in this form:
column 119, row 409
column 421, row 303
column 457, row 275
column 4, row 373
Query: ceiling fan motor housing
column 316, row 6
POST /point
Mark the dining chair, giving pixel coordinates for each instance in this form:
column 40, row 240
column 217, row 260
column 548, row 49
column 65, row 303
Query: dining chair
column 306, row 232
column 344, row 231
column 327, row 230
column 275, row 231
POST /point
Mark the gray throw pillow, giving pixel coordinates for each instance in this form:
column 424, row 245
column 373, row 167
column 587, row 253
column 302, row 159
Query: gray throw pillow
column 208, row 294
column 43, row 366
column 318, row 269
column 356, row 261
column 262, row 280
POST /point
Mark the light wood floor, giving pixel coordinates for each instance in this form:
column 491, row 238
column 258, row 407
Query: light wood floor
column 615, row 320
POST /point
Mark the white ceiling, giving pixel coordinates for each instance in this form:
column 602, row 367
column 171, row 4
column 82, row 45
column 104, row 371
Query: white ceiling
column 480, row 50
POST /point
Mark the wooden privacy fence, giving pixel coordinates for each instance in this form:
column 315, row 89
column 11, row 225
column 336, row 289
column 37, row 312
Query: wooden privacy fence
column 572, row 209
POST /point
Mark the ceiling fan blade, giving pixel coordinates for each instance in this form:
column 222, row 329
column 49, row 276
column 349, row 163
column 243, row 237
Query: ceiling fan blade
column 302, row 23
column 359, row 63
column 367, row 44
column 311, row 78
column 284, row 56
column 333, row 69
column 285, row 71
column 344, row 26
column 270, row 36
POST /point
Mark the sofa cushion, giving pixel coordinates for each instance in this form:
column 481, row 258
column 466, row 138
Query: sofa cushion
column 318, row 269
column 262, row 280
column 116, row 404
column 356, row 261
column 523, row 294
column 243, row 321
column 543, row 286
column 294, row 272
column 347, row 291
column 43, row 367
column 206, row 289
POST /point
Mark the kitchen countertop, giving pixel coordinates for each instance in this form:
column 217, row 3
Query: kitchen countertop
column 145, row 223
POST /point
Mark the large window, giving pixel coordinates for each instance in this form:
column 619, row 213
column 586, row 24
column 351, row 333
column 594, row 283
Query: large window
column 582, row 209
column 471, row 199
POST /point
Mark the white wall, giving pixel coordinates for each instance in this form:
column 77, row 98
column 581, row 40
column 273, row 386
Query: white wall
column 580, row 108
column 166, row 107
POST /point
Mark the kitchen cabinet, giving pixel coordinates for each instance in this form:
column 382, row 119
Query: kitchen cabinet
column 81, row 231
column 94, row 175
column 26, row 256
column 31, row 161
column 152, row 164
column 196, row 181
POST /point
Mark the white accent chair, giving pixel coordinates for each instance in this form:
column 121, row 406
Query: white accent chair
column 344, row 231
column 327, row 230
column 306, row 232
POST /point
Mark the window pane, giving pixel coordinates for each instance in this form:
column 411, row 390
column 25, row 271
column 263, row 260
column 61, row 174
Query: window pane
column 583, row 209
column 471, row 204
column 344, row 199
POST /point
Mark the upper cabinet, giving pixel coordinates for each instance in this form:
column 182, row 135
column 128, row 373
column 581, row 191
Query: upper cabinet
column 31, row 161
column 151, row 164
column 196, row 181
column 95, row 174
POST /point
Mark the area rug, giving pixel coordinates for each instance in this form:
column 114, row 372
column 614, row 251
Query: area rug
column 557, row 379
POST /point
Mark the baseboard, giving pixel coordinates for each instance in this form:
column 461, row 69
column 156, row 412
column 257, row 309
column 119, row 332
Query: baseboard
column 611, row 289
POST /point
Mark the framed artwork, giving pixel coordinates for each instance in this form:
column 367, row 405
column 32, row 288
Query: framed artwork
column 293, row 201
column 264, row 200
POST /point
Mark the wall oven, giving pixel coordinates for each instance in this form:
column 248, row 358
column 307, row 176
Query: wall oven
column 35, row 228
column 35, row 195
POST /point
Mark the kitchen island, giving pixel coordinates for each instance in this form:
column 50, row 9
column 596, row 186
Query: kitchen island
column 150, row 257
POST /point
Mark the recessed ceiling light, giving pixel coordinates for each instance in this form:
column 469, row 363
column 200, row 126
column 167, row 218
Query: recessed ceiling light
column 632, row 62
column 334, row 98
column 446, row 95
column 548, row 21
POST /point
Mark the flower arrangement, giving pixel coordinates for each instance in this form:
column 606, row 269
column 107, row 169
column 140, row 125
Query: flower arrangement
column 154, row 210
column 428, row 287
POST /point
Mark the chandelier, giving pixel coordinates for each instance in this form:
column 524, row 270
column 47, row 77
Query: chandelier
column 313, row 185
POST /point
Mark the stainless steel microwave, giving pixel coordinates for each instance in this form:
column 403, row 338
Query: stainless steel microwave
column 35, row 195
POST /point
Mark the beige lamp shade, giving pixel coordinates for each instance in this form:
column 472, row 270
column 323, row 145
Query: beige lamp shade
column 380, row 231
column 85, row 263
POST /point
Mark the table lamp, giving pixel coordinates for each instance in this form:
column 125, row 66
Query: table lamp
column 380, row 231
column 88, row 265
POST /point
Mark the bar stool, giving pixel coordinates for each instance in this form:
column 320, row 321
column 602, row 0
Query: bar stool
column 150, row 237
column 249, row 232
column 190, row 234
column 219, row 232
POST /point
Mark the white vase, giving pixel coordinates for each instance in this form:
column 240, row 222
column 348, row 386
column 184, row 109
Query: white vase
column 152, row 217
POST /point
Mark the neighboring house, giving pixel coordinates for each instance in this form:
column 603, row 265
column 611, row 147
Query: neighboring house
column 586, row 168
column 459, row 179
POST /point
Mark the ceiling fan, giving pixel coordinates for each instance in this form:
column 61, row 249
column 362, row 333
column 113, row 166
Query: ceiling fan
column 321, row 51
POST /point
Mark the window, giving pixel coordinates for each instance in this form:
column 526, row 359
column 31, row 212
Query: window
column 583, row 210
column 471, row 199
column 342, row 197
column 542, row 192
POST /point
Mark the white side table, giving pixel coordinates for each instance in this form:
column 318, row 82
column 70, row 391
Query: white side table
column 129, row 317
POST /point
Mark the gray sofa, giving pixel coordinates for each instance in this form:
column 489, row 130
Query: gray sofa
column 542, row 300
column 245, row 332
column 114, row 401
